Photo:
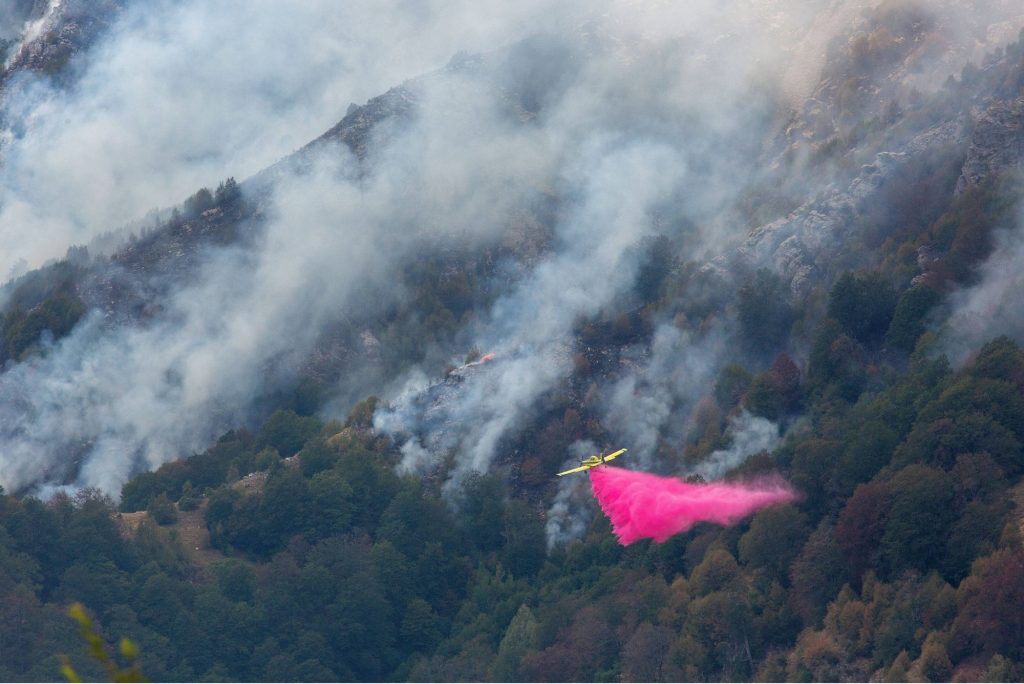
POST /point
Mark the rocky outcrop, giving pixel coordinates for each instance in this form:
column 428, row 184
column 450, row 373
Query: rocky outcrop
column 868, row 106
column 997, row 143
column 355, row 128
column 65, row 28
column 15, row 15
column 814, row 233
column 892, row 56
column 818, row 230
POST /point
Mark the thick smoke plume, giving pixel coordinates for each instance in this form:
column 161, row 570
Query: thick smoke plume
column 617, row 123
column 748, row 434
column 719, row 71
column 992, row 306
column 612, row 115
column 531, row 327
column 646, row 506
column 659, row 396
column 181, row 95
column 111, row 399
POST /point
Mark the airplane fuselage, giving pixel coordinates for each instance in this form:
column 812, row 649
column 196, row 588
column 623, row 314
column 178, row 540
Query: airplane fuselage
column 593, row 462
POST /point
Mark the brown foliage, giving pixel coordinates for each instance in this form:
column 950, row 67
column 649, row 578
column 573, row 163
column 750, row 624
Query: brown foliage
column 861, row 525
column 990, row 619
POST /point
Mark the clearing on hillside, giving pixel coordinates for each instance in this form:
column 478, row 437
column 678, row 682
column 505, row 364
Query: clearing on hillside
column 190, row 530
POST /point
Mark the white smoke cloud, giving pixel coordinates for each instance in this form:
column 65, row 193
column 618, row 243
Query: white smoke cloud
column 615, row 129
column 657, row 109
column 151, row 393
column 747, row 434
column 19, row 23
column 116, row 398
column 571, row 511
column 530, row 328
column 992, row 306
column 180, row 95
column 660, row 396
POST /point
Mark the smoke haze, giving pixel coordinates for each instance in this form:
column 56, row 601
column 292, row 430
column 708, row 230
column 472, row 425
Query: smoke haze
column 179, row 95
column 748, row 434
column 992, row 306
column 620, row 121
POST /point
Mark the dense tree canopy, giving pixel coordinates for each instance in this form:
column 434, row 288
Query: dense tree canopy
column 298, row 549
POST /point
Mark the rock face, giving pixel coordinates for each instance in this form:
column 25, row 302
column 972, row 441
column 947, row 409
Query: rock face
column 814, row 233
column 354, row 129
column 867, row 107
column 49, row 34
column 890, row 56
column 997, row 143
column 64, row 28
column 139, row 270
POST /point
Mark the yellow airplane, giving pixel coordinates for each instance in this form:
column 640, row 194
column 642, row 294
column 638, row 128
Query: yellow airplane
column 593, row 462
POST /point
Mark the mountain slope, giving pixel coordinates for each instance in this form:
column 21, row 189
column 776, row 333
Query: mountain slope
column 625, row 232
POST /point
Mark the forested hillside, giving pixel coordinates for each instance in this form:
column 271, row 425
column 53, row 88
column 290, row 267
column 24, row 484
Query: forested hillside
column 306, row 425
column 904, row 560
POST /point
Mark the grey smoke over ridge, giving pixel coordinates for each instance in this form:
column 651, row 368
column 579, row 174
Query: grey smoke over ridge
column 624, row 165
column 659, row 399
column 183, row 94
column 179, row 95
column 142, row 395
column 106, row 400
column 641, row 119
column 532, row 325
column 643, row 405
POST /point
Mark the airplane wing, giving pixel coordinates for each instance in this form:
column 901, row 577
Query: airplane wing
column 613, row 455
column 575, row 470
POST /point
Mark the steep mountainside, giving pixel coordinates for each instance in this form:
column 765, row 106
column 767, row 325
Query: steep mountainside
column 740, row 241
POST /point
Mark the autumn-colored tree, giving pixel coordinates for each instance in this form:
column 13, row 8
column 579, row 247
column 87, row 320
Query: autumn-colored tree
column 860, row 527
column 644, row 652
column 762, row 399
column 733, row 381
column 989, row 619
column 1000, row 359
column 817, row 574
column 940, row 441
column 816, row 658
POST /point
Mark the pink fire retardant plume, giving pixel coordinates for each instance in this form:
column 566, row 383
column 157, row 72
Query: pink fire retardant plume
column 641, row 505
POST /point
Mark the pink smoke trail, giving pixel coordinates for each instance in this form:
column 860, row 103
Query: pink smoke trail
column 642, row 506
